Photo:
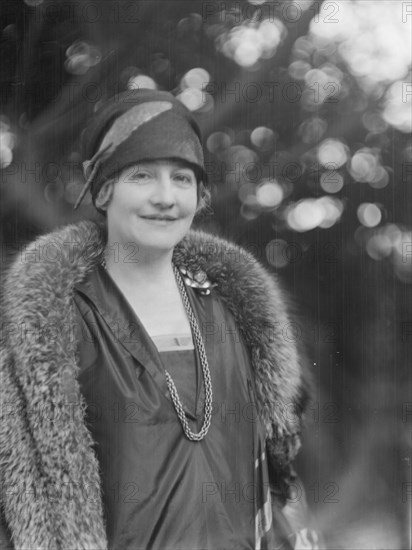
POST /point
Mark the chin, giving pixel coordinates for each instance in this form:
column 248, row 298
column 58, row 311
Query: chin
column 163, row 237
column 159, row 244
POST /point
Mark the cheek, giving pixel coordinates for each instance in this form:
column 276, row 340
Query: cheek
column 127, row 198
column 192, row 201
column 118, row 211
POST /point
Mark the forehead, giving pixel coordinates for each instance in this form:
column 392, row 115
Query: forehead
column 168, row 163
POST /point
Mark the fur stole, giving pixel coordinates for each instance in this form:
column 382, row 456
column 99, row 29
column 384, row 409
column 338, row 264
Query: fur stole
column 49, row 472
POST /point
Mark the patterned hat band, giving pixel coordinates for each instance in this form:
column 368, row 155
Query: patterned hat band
column 137, row 126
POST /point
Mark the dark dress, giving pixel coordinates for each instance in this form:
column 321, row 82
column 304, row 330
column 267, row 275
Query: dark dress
column 161, row 490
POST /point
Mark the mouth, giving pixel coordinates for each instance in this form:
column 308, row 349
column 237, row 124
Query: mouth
column 160, row 218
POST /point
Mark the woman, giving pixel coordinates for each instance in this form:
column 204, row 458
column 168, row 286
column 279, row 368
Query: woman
column 151, row 400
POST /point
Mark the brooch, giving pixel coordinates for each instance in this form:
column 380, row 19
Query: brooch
column 197, row 280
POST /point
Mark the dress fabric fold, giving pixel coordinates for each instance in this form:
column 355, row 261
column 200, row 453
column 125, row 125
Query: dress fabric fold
column 161, row 490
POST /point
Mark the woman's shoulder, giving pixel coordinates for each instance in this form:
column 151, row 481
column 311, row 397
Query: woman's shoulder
column 263, row 310
column 49, row 267
column 68, row 247
column 229, row 267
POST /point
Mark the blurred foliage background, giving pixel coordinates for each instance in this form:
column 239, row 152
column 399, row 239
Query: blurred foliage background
column 306, row 109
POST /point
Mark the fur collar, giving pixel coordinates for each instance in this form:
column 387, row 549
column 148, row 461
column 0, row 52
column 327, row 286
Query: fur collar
column 45, row 444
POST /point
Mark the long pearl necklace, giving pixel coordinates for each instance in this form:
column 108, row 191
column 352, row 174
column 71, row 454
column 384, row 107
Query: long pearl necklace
column 198, row 341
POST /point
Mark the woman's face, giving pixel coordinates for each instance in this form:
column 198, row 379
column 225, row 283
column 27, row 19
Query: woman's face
column 153, row 205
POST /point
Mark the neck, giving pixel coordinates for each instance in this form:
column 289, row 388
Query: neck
column 146, row 268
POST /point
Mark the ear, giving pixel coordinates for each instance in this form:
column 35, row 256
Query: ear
column 204, row 199
column 104, row 195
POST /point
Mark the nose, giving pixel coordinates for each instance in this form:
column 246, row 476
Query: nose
column 163, row 193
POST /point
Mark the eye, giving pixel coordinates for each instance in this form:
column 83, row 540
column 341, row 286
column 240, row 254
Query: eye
column 184, row 178
column 139, row 176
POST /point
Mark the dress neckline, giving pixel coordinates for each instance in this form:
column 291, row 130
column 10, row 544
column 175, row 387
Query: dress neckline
column 99, row 287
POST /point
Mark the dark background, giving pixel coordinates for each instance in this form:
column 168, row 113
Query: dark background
column 303, row 73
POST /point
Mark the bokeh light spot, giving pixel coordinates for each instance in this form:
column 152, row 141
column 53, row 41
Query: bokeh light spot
column 248, row 211
column 331, row 181
column 308, row 214
column 398, row 105
column 271, row 33
column 54, row 191
column 303, row 47
column 407, row 152
column 246, row 193
column 380, row 179
column 363, row 165
column 269, row 194
column 374, row 122
column 193, row 98
column 298, row 69
column 7, row 143
column 263, row 138
column 246, row 44
column 247, row 52
column 6, row 156
column 312, row 129
column 7, row 139
column 218, row 141
column 141, row 81
column 378, row 246
column 332, row 153
column 369, row 214
column 160, row 66
column 305, row 215
column 373, row 39
column 196, row 78
column 275, row 252
column 72, row 191
column 332, row 211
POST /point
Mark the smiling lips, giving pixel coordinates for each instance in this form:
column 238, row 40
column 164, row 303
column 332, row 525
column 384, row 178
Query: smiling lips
column 159, row 218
